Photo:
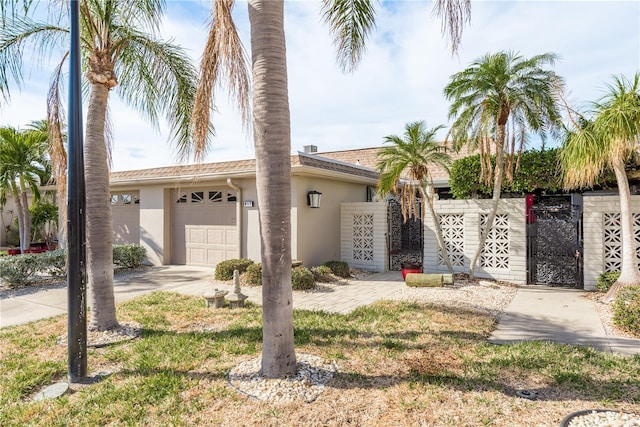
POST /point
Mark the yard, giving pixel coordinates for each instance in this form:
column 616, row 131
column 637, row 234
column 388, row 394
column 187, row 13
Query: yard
column 398, row 363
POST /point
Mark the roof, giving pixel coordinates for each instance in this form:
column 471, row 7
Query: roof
column 367, row 157
column 301, row 163
column 358, row 164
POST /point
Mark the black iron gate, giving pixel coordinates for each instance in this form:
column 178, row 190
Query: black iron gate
column 554, row 242
column 405, row 240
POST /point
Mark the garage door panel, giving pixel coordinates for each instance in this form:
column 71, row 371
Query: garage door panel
column 216, row 237
column 207, row 245
column 196, row 235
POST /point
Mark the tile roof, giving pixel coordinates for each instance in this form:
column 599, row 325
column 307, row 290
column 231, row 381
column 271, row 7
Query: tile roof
column 367, row 157
column 237, row 167
column 359, row 162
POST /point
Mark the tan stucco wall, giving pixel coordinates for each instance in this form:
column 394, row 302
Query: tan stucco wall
column 317, row 231
column 153, row 233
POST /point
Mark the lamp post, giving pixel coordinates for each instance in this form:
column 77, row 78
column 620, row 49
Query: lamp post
column 76, row 260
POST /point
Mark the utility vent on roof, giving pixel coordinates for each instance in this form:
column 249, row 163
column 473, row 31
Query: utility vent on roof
column 310, row 149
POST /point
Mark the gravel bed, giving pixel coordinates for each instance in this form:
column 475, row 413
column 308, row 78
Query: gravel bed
column 123, row 332
column 483, row 296
column 602, row 418
column 305, row 386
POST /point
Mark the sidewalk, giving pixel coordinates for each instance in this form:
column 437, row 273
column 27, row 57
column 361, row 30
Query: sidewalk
column 559, row 315
column 536, row 313
column 37, row 303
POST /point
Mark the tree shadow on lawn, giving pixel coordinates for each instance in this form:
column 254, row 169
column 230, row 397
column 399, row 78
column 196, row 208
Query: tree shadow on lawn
column 455, row 359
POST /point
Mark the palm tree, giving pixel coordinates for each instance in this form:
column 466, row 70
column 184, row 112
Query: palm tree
column 120, row 51
column 495, row 102
column 350, row 21
column 411, row 157
column 606, row 137
column 22, row 158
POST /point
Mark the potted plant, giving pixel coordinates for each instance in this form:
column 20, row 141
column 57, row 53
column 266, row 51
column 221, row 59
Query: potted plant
column 410, row 267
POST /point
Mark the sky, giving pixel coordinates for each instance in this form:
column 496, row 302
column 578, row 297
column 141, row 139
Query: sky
column 399, row 80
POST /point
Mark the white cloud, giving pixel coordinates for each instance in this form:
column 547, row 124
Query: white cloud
column 399, row 80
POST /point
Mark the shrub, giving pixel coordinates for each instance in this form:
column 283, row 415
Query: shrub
column 302, row 279
column 322, row 273
column 626, row 309
column 253, row 275
column 339, row 268
column 55, row 262
column 606, row 280
column 129, row 255
column 224, row 269
column 19, row 270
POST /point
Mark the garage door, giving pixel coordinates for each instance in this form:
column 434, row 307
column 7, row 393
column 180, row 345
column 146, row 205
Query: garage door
column 210, row 244
column 204, row 230
column 125, row 209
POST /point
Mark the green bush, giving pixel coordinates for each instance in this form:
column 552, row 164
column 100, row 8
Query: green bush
column 129, row 255
column 253, row 275
column 302, row 279
column 626, row 309
column 224, row 269
column 606, row 280
column 339, row 268
column 322, row 274
column 55, row 262
column 19, row 270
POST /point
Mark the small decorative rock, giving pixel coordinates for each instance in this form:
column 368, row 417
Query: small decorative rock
column 236, row 299
column 53, row 391
column 215, row 299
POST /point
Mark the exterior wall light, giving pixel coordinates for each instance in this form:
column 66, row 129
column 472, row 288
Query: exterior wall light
column 313, row 198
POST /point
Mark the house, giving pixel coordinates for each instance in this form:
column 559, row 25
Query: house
column 205, row 213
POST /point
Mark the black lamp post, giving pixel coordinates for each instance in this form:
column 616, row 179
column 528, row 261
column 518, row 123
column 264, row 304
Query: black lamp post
column 76, row 260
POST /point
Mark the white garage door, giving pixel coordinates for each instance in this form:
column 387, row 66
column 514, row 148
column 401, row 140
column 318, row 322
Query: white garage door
column 204, row 230
column 210, row 244
column 125, row 209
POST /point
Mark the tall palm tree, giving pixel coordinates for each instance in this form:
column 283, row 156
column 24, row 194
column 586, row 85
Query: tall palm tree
column 121, row 52
column 606, row 137
column 351, row 21
column 409, row 159
column 496, row 101
column 22, row 161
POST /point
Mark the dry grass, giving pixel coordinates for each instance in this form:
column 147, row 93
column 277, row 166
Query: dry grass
column 399, row 364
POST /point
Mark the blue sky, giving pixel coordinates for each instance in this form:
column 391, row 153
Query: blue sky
column 399, row 80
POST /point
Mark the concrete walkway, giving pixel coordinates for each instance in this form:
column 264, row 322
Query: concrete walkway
column 541, row 313
column 536, row 313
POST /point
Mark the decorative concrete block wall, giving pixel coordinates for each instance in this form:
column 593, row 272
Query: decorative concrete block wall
column 505, row 251
column 363, row 235
column 601, row 235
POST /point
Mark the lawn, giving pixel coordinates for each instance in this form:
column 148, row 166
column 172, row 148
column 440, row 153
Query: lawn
column 399, row 364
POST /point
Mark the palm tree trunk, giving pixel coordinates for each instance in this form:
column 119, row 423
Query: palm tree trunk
column 272, row 139
column 629, row 274
column 438, row 229
column 497, row 188
column 20, row 209
column 26, row 218
column 99, row 222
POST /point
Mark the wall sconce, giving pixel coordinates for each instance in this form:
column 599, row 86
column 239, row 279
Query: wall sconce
column 313, row 198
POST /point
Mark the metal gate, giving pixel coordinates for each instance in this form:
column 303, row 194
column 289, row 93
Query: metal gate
column 405, row 240
column 554, row 242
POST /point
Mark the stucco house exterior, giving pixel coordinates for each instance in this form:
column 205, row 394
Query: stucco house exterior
column 205, row 213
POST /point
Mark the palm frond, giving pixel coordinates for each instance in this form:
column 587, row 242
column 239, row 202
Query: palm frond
column 224, row 59
column 453, row 14
column 351, row 22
